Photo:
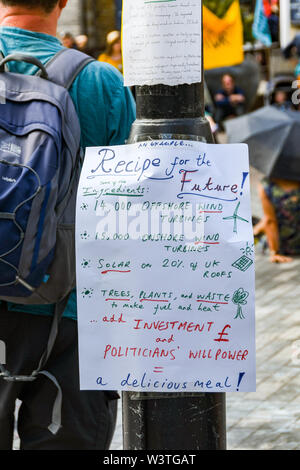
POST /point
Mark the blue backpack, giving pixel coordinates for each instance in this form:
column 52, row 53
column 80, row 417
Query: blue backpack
column 40, row 163
column 39, row 171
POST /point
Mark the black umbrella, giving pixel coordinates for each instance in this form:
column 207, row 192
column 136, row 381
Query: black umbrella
column 293, row 46
column 273, row 137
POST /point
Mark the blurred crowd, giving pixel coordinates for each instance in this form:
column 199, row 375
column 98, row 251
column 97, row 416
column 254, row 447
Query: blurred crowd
column 112, row 53
column 278, row 231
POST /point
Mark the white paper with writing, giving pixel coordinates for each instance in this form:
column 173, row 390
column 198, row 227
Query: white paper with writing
column 162, row 42
column 165, row 268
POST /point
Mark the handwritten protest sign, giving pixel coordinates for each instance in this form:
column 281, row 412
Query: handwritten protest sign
column 161, row 42
column 165, row 268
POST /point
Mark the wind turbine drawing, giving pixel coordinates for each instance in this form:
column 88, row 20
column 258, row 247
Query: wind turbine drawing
column 235, row 217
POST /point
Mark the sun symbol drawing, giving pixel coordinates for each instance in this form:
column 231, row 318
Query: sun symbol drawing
column 86, row 263
column 248, row 250
column 87, row 293
column 84, row 235
column 84, row 206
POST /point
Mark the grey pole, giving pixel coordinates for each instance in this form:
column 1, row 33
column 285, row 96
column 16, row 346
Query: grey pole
column 175, row 421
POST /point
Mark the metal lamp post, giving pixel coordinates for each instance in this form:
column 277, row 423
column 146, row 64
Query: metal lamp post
column 174, row 421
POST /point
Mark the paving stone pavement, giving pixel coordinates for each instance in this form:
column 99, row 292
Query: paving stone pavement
column 268, row 419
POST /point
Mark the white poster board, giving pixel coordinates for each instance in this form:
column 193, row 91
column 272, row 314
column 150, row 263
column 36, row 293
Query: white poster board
column 161, row 42
column 165, row 268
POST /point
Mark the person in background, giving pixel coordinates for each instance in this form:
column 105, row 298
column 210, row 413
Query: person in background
column 292, row 53
column 271, row 10
column 273, row 21
column 229, row 100
column 113, row 52
column 68, row 40
column 281, row 101
column 281, row 221
column 295, row 59
column 82, row 42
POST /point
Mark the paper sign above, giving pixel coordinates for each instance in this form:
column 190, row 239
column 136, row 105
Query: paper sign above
column 161, row 42
column 165, row 268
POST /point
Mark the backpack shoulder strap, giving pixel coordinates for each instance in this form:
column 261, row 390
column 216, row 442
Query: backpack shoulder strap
column 65, row 66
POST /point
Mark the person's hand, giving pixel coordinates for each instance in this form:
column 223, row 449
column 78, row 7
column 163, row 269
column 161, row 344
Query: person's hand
column 236, row 98
column 219, row 97
column 276, row 258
